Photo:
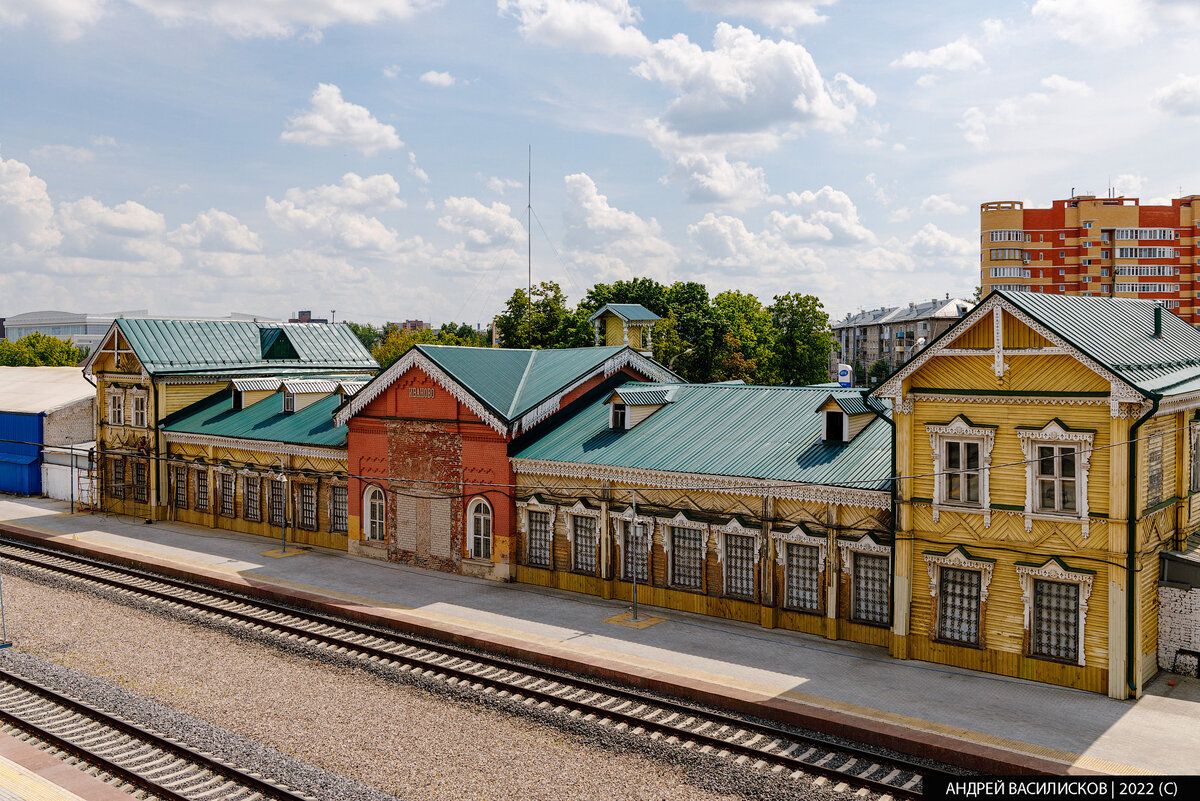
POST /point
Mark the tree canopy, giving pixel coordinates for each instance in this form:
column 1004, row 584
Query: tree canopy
column 39, row 350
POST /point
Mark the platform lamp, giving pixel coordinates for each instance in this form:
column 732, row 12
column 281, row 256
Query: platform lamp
column 283, row 508
column 634, row 530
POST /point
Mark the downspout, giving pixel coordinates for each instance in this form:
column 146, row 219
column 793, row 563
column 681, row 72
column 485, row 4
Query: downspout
column 892, row 489
column 1131, row 545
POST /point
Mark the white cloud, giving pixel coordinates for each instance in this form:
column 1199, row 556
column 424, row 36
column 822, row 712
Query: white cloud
column 331, row 121
column 75, row 155
column 128, row 233
column 67, row 19
column 254, row 18
column 1181, row 96
column 626, row 244
column 941, row 204
column 976, row 124
column 103, row 141
column 500, row 185
column 1057, row 83
column 217, row 232
column 1099, row 23
column 933, row 241
column 434, row 78
column 26, row 211
column 339, row 215
column 597, row 26
column 481, row 227
column 957, row 55
column 783, row 14
column 392, row 71
column 1129, row 185
column 825, row 215
column 417, row 172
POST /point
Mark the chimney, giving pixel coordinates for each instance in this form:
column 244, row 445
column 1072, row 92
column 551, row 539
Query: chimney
column 1158, row 322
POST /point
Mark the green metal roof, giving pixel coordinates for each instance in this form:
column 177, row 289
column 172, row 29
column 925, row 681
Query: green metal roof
column 634, row 312
column 852, row 404
column 641, row 395
column 1118, row 333
column 242, row 346
column 215, row 417
column 513, row 382
column 770, row 433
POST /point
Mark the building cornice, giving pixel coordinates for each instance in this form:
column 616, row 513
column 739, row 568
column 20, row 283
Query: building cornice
column 260, row 445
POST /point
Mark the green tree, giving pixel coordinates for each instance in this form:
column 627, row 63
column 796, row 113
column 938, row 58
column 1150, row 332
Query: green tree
column 395, row 342
column 803, row 339
column 543, row 321
column 39, row 350
column 369, row 335
column 879, row 371
column 742, row 339
column 645, row 291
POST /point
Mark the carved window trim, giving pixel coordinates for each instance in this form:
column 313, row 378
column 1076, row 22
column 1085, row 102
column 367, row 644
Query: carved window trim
column 580, row 511
column 960, row 429
column 960, row 559
column 1055, row 570
column 1056, row 432
column 535, row 504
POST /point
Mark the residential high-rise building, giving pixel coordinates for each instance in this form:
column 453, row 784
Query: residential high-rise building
column 892, row 334
column 1088, row 245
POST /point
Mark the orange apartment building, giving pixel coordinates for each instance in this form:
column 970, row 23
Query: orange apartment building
column 1088, row 245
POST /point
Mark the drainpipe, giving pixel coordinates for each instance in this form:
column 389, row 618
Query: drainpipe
column 1131, row 545
column 892, row 489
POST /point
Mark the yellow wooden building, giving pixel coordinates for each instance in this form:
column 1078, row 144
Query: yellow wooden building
column 624, row 324
column 1047, row 446
column 147, row 370
column 768, row 505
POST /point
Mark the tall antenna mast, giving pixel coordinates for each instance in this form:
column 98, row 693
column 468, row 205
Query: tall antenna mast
column 529, row 246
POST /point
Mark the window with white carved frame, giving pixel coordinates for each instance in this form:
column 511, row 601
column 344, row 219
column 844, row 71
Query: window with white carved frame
column 541, row 538
column 1057, row 458
column 275, row 503
column 251, row 507
column 868, row 564
column 139, row 410
column 962, row 458
column 687, row 556
column 740, row 561
column 958, row 583
column 339, row 519
column 1055, row 597
column 583, row 544
column 635, row 551
column 802, row 577
column 308, row 506
column 116, row 407
column 227, row 494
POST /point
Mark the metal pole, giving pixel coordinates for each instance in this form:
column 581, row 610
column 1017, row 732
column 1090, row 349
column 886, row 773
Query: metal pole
column 636, row 545
column 283, row 507
column 4, row 643
column 71, row 476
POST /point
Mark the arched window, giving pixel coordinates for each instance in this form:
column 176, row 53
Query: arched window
column 373, row 514
column 479, row 531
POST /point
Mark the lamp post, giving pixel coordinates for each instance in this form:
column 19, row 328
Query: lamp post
column 283, row 508
column 635, row 546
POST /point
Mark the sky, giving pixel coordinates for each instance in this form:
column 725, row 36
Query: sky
column 371, row 159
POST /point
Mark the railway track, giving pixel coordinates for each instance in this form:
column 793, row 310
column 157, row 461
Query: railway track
column 126, row 754
column 760, row 745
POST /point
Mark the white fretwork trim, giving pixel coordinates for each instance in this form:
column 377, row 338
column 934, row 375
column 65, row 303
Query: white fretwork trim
column 864, row 545
column 665, row 479
column 620, row 523
column 1054, row 434
column 259, row 445
column 800, row 537
column 525, row 507
column 934, row 563
column 1120, row 391
column 958, row 430
column 1009, row 399
column 665, row 525
column 734, row 526
column 1182, row 403
column 1051, row 571
column 579, row 510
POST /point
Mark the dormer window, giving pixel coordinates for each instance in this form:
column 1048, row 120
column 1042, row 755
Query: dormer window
column 239, row 399
column 616, row 416
column 289, row 402
column 836, row 425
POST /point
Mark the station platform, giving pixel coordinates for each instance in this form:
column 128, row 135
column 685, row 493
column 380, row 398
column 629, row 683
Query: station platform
column 993, row 724
column 30, row 774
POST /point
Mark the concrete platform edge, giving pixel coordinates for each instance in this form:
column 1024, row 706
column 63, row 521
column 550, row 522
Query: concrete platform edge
column 964, row 753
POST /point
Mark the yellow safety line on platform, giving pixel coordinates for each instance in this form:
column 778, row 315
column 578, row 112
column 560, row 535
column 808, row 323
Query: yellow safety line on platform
column 626, row 619
column 26, row 785
column 279, row 553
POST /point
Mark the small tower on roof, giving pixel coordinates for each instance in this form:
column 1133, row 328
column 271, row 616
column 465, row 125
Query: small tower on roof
column 624, row 324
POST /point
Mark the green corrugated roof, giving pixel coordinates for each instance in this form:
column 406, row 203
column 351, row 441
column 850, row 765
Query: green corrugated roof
column 1118, row 333
column 851, row 404
column 513, row 382
column 237, row 346
column 640, row 395
column 634, row 312
column 215, row 417
column 771, row 433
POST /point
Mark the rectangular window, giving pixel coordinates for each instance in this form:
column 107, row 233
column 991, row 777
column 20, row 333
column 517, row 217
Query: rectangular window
column 202, row 490
column 803, row 581
column 540, row 537
column 116, row 408
column 961, row 473
column 275, row 506
column 1056, row 479
column 116, row 477
column 687, row 557
column 959, row 605
column 339, row 519
column 634, row 553
column 251, row 508
column 739, row 565
column 181, row 486
column 227, row 494
column 617, row 420
column 139, row 411
column 870, row 590
column 141, row 480
column 1055, row 620
column 583, row 557
column 308, row 506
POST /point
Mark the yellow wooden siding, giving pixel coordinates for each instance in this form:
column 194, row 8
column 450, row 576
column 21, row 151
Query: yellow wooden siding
column 1024, row 374
column 251, row 398
column 636, row 414
column 858, row 422
column 308, row 399
column 1019, row 335
column 980, row 335
column 614, row 332
column 180, row 396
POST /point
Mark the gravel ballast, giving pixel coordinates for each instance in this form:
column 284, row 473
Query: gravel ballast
column 334, row 728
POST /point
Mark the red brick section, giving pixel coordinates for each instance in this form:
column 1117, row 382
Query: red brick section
column 970, row 755
column 57, row 772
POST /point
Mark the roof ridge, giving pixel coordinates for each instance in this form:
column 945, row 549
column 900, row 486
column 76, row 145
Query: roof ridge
column 513, row 405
